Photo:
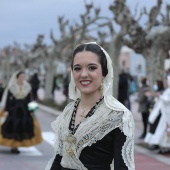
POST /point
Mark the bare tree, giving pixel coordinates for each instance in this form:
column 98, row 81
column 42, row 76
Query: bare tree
column 152, row 40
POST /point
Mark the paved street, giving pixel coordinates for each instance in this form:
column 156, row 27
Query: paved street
column 35, row 158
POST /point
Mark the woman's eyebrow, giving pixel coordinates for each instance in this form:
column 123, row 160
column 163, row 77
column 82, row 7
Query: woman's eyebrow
column 90, row 64
column 76, row 65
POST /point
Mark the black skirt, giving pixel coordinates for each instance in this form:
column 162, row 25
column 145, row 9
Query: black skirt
column 19, row 123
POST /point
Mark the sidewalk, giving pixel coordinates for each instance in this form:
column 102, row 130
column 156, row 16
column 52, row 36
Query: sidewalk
column 144, row 158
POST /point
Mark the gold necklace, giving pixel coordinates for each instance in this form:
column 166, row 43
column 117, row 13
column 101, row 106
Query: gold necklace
column 82, row 116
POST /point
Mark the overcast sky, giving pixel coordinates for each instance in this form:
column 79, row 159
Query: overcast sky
column 23, row 20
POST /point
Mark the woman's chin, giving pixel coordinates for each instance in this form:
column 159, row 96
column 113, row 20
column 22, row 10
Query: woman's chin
column 85, row 92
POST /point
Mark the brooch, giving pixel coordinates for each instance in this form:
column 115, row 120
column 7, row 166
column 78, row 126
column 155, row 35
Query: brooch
column 71, row 139
column 70, row 151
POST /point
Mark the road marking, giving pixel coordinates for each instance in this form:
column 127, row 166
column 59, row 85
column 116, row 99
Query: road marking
column 48, row 137
column 29, row 151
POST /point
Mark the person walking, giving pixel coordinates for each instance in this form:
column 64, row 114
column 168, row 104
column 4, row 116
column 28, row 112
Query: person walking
column 144, row 105
column 161, row 115
column 123, row 89
column 35, row 84
column 20, row 128
column 158, row 89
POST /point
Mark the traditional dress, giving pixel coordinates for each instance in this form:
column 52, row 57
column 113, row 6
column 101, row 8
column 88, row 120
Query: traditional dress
column 104, row 136
column 20, row 127
column 162, row 106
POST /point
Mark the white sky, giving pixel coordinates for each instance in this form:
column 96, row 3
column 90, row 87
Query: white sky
column 23, row 20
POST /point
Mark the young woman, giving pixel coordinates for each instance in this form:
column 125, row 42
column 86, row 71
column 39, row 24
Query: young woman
column 20, row 127
column 95, row 128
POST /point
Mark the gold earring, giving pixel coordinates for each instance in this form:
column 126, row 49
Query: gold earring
column 75, row 89
column 101, row 88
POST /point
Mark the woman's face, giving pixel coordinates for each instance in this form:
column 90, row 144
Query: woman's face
column 87, row 72
column 21, row 78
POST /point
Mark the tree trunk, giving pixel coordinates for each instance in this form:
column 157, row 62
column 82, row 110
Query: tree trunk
column 155, row 65
column 49, row 78
column 114, row 50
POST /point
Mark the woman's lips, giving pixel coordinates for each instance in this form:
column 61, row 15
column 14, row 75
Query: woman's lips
column 85, row 82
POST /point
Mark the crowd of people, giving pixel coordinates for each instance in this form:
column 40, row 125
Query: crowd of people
column 153, row 105
column 154, row 108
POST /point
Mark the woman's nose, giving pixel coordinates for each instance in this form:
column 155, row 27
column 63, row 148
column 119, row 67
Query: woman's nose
column 84, row 73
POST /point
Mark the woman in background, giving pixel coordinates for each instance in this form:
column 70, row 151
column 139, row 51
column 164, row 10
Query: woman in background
column 159, row 135
column 20, row 127
column 144, row 105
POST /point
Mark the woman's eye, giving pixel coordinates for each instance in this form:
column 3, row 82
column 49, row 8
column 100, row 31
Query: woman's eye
column 77, row 69
column 92, row 68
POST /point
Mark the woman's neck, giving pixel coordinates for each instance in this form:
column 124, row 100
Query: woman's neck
column 88, row 101
column 20, row 83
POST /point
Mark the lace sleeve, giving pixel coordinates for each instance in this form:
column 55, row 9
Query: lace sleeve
column 123, row 160
column 128, row 147
column 128, row 153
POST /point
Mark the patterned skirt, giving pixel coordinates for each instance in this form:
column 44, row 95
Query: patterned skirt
column 36, row 139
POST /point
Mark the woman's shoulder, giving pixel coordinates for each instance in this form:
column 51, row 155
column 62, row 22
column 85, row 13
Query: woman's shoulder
column 11, row 91
column 121, row 114
column 12, row 88
column 126, row 121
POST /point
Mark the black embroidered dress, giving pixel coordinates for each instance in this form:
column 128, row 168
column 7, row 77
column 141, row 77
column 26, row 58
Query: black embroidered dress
column 99, row 155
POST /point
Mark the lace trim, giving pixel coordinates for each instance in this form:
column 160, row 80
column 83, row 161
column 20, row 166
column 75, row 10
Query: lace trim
column 128, row 124
column 128, row 153
column 14, row 89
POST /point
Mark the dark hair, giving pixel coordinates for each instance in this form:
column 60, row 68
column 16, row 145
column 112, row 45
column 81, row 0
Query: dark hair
column 143, row 80
column 94, row 48
column 160, row 85
column 19, row 73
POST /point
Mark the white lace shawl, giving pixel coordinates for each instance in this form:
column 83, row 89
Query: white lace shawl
column 90, row 131
column 110, row 103
column 14, row 89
